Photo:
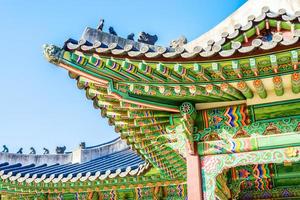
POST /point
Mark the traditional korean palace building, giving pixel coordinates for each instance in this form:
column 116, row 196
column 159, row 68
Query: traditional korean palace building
column 216, row 118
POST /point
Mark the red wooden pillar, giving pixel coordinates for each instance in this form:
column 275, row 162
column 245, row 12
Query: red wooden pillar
column 194, row 178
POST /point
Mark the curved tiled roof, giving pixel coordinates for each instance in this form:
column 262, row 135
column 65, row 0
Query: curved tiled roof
column 241, row 18
column 107, row 160
column 96, row 41
column 121, row 163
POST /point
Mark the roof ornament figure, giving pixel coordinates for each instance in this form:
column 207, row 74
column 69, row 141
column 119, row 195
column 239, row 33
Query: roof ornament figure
column 130, row 36
column 101, row 25
column 82, row 145
column 60, row 150
column 46, row 151
column 20, row 151
column 51, row 53
column 112, row 31
column 5, row 149
column 179, row 42
column 32, row 151
column 147, row 38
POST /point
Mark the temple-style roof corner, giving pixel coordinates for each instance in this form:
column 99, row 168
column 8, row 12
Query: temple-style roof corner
column 221, row 113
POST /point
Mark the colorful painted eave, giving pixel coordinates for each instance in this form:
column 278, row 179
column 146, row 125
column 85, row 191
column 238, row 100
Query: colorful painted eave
column 113, row 184
column 141, row 95
column 162, row 88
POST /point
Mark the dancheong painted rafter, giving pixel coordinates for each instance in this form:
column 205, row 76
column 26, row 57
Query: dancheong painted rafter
column 220, row 121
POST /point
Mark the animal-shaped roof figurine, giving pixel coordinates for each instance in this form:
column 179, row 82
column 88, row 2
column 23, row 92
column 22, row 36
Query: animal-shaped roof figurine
column 32, row 151
column 112, row 31
column 46, row 151
column 179, row 42
column 101, row 25
column 147, row 38
column 5, row 149
column 130, row 36
column 60, row 150
column 20, row 151
column 82, row 145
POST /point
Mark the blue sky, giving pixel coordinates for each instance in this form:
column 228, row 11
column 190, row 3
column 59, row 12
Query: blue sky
column 40, row 106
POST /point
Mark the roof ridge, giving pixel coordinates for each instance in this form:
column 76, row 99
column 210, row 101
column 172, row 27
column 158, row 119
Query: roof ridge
column 104, row 144
column 228, row 43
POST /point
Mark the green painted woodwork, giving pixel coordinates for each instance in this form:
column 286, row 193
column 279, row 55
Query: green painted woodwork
column 187, row 75
column 149, row 71
column 227, row 147
column 165, row 71
column 227, row 88
column 168, row 72
column 278, row 85
column 215, row 164
column 244, row 88
column 276, row 193
column 14, row 187
column 260, row 89
column 177, row 191
column 265, row 178
column 230, row 145
column 278, row 141
column 201, row 72
column 223, row 117
column 178, row 93
column 111, row 70
column 295, row 83
column 260, row 141
column 273, row 111
column 279, row 126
